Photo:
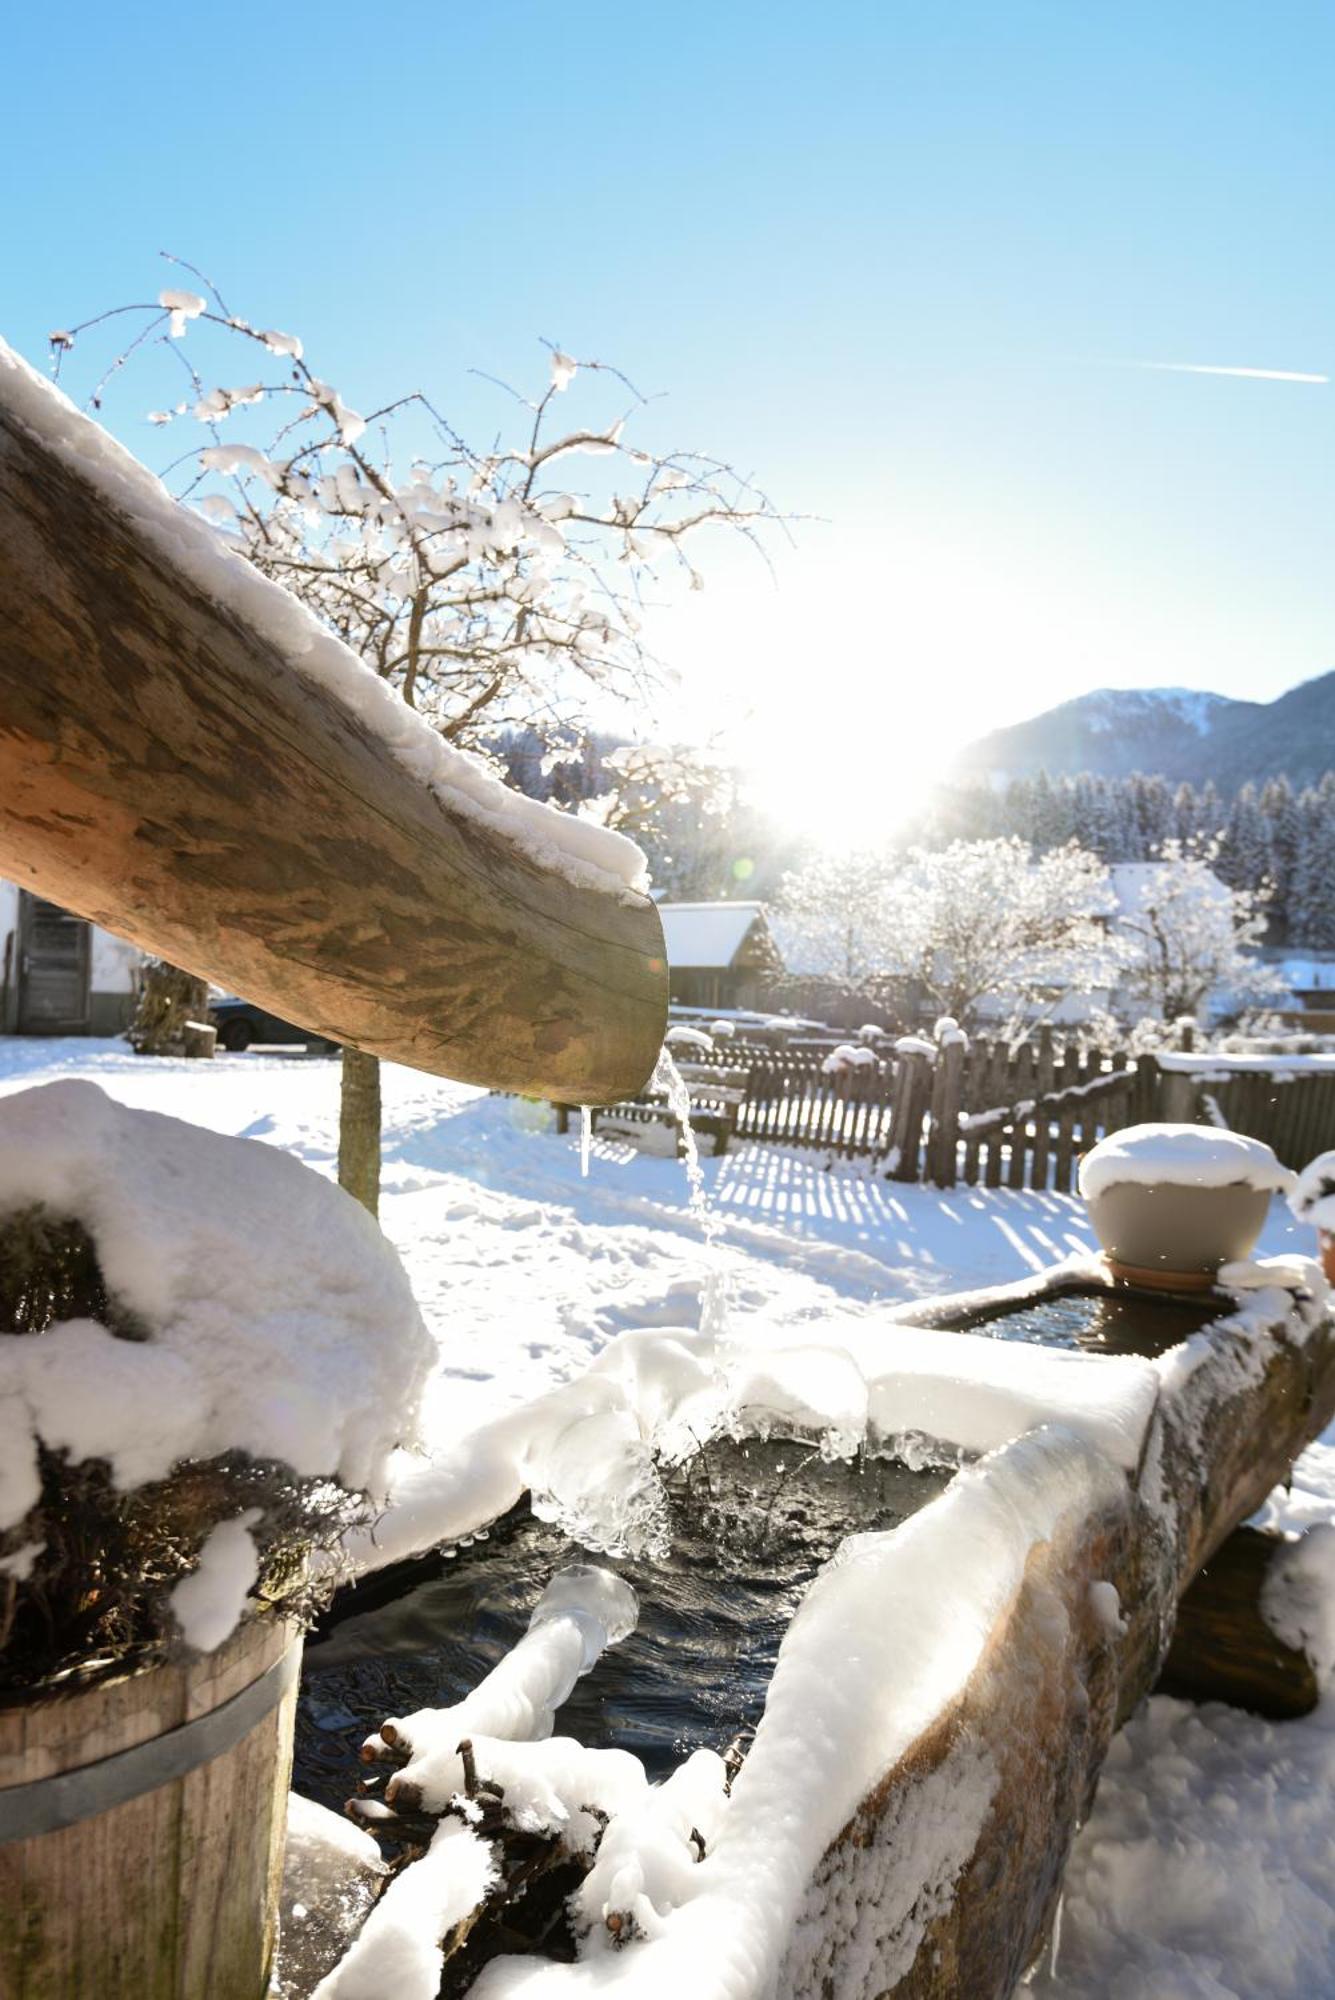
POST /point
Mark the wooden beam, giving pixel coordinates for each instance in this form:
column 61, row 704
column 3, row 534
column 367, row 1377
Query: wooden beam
column 169, row 774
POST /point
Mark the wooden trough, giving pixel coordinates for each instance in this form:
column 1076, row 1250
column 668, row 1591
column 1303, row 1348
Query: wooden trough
column 1227, row 1426
column 971, row 1750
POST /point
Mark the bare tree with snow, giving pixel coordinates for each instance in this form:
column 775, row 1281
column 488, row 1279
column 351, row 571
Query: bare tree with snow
column 980, row 920
column 832, row 918
column 488, row 586
column 1191, row 941
column 987, row 920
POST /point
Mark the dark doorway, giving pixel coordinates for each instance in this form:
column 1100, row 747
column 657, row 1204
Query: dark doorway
column 53, row 969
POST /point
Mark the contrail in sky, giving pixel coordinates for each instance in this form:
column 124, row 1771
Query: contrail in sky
column 1256, row 374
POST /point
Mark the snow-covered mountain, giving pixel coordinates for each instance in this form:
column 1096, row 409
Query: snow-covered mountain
column 1176, row 732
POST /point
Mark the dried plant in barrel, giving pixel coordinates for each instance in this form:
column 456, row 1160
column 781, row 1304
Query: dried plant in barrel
column 165, row 1374
column 87, row 1573
column 207, row 1354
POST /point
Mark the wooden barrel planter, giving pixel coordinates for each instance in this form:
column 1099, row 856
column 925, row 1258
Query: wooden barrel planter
column 141, row 1828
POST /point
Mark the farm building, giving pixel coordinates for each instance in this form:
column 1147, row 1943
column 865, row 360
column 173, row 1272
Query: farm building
column 59, row 974
column 720, row 954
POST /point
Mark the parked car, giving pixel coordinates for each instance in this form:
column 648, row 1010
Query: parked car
column 241, row 1022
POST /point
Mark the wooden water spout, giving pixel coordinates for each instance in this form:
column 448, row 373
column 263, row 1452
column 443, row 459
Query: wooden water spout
column 168, row 772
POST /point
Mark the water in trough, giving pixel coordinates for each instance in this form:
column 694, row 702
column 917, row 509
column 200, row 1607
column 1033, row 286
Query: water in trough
column 1098, row 1321
column 752, row 1523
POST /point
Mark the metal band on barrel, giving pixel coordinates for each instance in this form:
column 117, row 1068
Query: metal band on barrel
column 44, row 1805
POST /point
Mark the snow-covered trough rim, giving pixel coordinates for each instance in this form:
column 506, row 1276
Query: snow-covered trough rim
column 903, row 1819
column 191, row 759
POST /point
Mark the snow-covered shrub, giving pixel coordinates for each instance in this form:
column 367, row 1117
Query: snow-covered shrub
column 1313, row 1197
column 211, row 1354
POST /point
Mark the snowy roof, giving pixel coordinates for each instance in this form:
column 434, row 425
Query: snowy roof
column 707, row 935
column 1313, row 974
column 1131, row 879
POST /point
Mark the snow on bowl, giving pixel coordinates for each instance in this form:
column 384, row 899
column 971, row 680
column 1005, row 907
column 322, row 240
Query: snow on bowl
column 1171, row 1203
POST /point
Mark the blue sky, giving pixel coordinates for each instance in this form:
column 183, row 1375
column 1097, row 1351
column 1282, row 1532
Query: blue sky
column 896, row 259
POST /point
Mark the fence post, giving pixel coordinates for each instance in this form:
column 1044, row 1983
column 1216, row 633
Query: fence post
column 1044, row 1073
column 1179, row 1096
column 1145, row 1091
column 912, row 1091
column 947, row 1092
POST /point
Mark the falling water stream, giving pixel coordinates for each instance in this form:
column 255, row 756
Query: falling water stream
column 716, row 1291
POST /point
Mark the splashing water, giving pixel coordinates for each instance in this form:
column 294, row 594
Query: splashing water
column 715, row 1294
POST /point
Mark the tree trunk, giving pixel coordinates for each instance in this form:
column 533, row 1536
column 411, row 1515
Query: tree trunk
column 359, row 1128
column 168, row 998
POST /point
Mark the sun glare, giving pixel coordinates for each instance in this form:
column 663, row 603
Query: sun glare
column 843, row 718
column 844, row 792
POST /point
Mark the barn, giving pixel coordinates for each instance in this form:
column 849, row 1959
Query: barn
column 60, row 975
column 719, row 954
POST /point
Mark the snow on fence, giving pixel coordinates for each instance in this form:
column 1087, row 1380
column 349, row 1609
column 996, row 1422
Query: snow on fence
column 1287, row 1100
column 996, row 1114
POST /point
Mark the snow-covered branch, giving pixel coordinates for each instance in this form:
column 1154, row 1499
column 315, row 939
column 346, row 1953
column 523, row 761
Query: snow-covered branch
column 470, row 580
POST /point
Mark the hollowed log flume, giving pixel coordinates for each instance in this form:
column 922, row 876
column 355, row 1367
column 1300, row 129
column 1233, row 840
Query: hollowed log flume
column 1019, row 1618
column 168, row 772
column 1233, row 1413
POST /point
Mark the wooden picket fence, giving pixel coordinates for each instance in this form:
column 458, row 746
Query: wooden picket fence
column 991, row 1114
column 1288, row 1103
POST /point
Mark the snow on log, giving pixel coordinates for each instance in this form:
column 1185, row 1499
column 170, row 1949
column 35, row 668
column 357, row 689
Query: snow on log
column 189, row 759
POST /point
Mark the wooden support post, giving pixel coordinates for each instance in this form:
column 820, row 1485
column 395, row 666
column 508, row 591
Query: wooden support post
column 167, row 772
column 1179, row 1097
column 359, row 1129
column 947, row 1091
column 913, row 1083
column 1223, row 1649
column 1043, row 1077
column 1145, row 1091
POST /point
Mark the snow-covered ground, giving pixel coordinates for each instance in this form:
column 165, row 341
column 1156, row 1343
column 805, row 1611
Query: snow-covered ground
column 1208, row 1868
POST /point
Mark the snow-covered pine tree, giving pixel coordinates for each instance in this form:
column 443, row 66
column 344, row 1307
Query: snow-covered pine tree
column 1154, row 813
column 1211, row 814
column 1243, row 854
column 1186, row 814
column 1279, row 809
column 1312, row 895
